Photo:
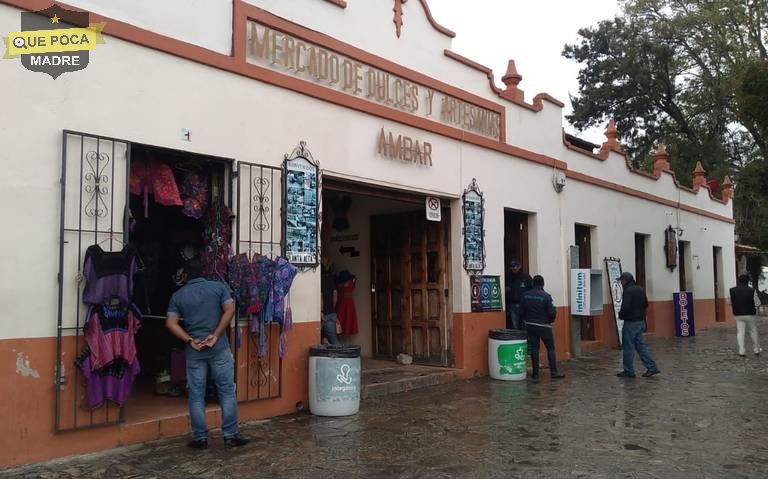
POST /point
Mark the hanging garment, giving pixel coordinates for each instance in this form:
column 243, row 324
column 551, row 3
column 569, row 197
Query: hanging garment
column 109, row 331
column 242, row 280
column 285, row 272
column 216, row 238
column 150, row 176
column 112, row 382
column 111, row 274
column 194, row 194
column 345, row 307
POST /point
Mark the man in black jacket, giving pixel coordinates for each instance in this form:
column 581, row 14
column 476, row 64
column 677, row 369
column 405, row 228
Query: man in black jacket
column 744, row 302
column 518, row 282
column 634, row 302
column 537, row 313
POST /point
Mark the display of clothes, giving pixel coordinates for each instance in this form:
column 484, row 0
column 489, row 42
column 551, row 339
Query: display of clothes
column 109, row 362
column 345, row 303
column 156, row 178
column 260, row 287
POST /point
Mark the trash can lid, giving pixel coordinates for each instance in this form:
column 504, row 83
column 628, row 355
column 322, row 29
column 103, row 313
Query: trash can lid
column 507, row 334
column 335, row 351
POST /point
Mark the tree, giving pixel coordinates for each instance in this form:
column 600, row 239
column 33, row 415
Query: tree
column 692, row 74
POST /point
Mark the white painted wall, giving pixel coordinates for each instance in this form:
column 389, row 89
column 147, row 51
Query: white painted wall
column 235, row 117
column 206, row 23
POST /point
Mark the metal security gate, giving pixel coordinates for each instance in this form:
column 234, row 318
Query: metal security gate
column 94, row 195
column 258, row 231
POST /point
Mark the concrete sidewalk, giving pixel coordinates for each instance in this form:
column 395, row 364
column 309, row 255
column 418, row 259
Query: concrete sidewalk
column 705, row 416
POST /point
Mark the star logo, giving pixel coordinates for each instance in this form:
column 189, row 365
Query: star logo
column 55, row 19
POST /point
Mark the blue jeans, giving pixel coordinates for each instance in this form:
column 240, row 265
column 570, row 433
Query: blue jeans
column 328, row 329
column 222, row 369
column 631, row 339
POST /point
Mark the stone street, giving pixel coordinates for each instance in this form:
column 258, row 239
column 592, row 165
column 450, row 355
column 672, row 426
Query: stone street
column 705, row 416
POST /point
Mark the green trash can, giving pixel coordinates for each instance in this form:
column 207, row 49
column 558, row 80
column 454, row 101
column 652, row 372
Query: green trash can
column 508, row 354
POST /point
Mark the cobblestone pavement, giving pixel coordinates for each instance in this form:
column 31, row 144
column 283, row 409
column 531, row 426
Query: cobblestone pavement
column 705, row 416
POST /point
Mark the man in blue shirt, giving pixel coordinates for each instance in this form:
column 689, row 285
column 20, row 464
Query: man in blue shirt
column 207, row 309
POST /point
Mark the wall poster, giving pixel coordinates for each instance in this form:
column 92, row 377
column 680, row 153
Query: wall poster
column 473, row 212
column 613, row 267
column 301, row 193
column 486, row 293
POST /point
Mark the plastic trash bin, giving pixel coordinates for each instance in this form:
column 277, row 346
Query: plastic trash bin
column 507, row 354
column 334, row 380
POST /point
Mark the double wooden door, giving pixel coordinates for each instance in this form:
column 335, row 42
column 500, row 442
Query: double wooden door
column 410, row 259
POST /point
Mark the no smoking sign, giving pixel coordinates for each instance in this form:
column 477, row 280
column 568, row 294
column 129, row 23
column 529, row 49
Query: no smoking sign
column 433, row 209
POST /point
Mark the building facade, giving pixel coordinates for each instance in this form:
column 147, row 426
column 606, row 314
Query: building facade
column 393, row 119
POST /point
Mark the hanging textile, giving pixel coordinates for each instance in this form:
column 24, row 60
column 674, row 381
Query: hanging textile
column 113, row 382
column 216, row 238
column 194, row 195
column 109, row 332
column 150, row 176
column 109, row 361
column 111, row 274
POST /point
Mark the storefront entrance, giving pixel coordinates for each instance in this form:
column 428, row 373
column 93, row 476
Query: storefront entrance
column 162, row 207
column 400, row 263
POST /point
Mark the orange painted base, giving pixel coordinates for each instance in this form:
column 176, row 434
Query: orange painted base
column 28, row 366
column 29, row 396
column 470, row 341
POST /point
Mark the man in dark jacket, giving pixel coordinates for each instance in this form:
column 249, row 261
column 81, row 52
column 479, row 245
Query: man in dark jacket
column 744, row 302
column 537, row 313
column 518, row 283
column 634, row 302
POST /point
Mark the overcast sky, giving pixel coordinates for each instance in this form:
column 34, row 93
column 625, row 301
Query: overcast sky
column 533, row 33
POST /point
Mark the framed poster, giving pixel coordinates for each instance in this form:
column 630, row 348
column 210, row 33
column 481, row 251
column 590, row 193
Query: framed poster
column 486, row 293
column 473, row 212
column 613, row 268
column 301, row 205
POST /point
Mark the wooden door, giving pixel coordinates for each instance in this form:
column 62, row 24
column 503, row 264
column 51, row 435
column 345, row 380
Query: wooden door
column 411, row 270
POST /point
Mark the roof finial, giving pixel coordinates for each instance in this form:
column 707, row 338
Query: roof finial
column 699, row 176
column 662, row 160
column 511, row 79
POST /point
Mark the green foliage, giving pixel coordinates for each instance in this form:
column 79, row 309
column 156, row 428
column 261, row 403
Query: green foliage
column 692, row 74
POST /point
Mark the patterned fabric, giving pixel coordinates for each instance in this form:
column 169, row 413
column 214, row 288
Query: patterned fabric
column 157, row 178
column 110, row 274
column 194, row 194
column 113, row 382
column 109, row 332
column 216, row 237
column 285, row 272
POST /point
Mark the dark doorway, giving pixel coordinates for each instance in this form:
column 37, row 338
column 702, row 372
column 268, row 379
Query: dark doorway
column 640, row 240
column 717, row 253
column 682, row 266
column 515, row 248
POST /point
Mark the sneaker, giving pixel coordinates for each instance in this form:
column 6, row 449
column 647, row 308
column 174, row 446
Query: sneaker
column 556, row 375
column 625, row 374
column 757, row 353
column 236, row 441
column 742, row 355
column 198, row 444
column 650, row 373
